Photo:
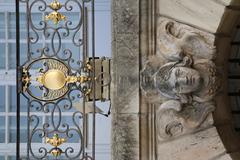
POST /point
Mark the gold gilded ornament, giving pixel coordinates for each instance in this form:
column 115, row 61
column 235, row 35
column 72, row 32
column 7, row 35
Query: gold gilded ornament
column 56, row 140
column 55, row 16
column 26, row 79
column 55, row 5
column 56, row 152
column 55, row 79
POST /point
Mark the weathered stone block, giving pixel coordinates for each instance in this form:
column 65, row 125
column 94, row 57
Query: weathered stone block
column 125, row 137
column 204, row 145
column 204, row 14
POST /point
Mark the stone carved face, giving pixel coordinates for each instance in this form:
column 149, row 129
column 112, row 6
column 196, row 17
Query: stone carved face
column 183, row 80
column 177, row 78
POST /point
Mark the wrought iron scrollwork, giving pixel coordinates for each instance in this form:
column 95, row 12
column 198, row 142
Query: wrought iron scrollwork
column 53, row 78
column 56, row 127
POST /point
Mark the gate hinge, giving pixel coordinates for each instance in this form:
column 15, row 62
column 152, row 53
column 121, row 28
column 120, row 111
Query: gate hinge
column 102, row 79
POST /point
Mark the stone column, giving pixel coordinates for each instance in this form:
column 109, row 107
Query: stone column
column 125, row 80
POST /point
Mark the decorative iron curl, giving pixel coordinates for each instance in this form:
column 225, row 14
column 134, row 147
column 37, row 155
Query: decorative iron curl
column 54, row 108
column 56, row 126
column 47, row 29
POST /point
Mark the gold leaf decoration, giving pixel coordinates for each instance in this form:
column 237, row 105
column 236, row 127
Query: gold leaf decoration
column 55, row 16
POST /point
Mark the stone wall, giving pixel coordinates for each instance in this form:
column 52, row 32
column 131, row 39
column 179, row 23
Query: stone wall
column 125, row 80
column 169, row 88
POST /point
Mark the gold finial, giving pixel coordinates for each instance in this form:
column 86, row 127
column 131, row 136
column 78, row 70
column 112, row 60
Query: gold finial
column 55, row 5
column 56, row 152
column 55, row 16
column 56, row 140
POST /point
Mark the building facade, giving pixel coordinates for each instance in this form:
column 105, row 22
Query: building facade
column 180, row 98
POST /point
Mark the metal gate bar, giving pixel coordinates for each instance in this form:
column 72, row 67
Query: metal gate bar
column 94, row 87
column 17, row 80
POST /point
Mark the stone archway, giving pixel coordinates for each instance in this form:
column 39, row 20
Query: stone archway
column 151, row 122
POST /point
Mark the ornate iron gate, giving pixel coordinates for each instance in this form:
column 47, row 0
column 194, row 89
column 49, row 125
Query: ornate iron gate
column 55, row 79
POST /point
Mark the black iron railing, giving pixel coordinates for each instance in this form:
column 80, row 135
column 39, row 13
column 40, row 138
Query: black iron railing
column 75, row 80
